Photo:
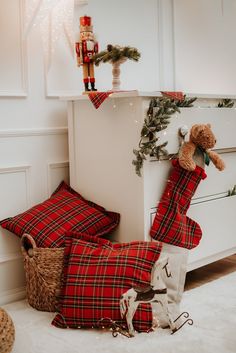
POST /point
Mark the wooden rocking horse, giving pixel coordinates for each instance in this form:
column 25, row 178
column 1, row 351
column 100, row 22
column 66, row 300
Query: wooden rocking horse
column 155, row 293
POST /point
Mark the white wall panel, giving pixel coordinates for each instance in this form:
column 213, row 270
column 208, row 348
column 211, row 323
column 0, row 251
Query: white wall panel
column 14, row 185
column 166, row 45
column 15, row 191
column 13, row 51
column 9, row 246
column 205, row 46
column 37, row 151
column 12, row 281
column 12, row 274
column 57, row 172
column 133, row 23
column 63, row 77
column 33, row 162
column 33, row 134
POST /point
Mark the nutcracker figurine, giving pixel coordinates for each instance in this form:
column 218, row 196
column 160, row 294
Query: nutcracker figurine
column 85, row 49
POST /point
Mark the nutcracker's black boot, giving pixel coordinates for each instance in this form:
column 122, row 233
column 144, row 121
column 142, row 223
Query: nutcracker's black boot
column 86, row 86
column 93, row 86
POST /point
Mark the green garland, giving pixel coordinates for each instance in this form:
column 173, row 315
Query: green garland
column 159, row 112
column 226, row 103
column 114, row 53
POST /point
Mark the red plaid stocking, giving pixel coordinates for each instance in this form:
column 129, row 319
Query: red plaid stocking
column 171, row 225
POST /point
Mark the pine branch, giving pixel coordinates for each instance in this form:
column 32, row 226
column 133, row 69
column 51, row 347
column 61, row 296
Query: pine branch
column 160, row 110
column 226, row 103
column 186, row 102
column 114, row 53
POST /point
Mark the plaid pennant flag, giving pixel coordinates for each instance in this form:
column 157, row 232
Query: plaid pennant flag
column 97, row 98
column 175, row 95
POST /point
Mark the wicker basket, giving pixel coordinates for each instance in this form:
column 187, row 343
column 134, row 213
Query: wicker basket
column 7, row 332
column 43, row 269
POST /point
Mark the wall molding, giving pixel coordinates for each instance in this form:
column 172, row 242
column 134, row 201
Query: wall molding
column 72, row 139
column 166, row 44
column 12, row 295
column 51, row 166
column 55, row 165
column 13, row 93
column 23, row 92
column 81, row 2
column 21, row 169
column 10, row 257
column 209, row 259
column 15, row 169
column 34, row 132
column 24, row 61
column 58, row 94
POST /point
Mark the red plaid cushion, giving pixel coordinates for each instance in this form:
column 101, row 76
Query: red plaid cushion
column 65, row 210
column 97, row 273
column 171, row 225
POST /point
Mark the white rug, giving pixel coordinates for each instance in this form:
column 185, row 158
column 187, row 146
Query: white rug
column 211, row 306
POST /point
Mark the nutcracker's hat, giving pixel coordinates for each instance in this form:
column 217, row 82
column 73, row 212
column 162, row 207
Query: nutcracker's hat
column 86, row 24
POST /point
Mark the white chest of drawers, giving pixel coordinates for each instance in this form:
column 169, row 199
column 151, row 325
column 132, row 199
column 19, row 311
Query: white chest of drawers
column 101, row 144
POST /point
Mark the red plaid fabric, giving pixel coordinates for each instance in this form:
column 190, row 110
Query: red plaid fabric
column 65, row 210
column 171, row 225
column 175, row 95
column 97, row 98
column 97, row 273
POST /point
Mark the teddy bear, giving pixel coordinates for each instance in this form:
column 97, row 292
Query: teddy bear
column 201, row 140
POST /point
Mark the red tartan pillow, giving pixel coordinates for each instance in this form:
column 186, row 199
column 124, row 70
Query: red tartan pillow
column 65, row 210
column 97, row 273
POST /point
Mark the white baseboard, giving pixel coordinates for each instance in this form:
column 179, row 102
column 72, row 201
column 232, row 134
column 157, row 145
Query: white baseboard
column 12, row 295
column 10, row 257
column 34, row 132
column 209, row 259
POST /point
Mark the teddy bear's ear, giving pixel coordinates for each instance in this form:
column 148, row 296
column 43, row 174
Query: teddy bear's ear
column 196, row 129
column 209, row 125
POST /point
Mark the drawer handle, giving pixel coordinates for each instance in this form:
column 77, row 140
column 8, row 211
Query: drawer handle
column 232, row 191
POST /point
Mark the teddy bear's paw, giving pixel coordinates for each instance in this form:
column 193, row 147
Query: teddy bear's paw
column 220, row 166
column 188, row 165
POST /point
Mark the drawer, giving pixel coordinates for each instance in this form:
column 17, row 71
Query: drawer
column 223, row 122
column 217, row 220
column 216, row 183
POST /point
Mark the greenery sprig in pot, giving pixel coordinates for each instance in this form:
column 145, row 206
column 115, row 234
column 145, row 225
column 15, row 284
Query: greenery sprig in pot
column 116, row 55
